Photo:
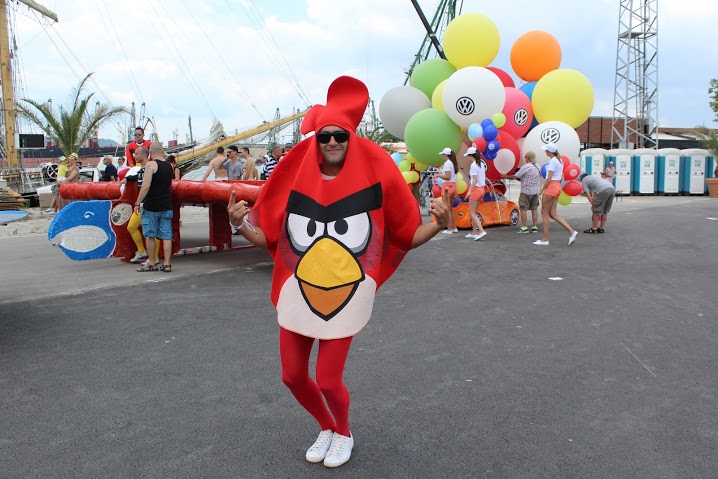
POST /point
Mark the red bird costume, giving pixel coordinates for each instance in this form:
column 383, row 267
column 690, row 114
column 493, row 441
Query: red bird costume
column 334, row 241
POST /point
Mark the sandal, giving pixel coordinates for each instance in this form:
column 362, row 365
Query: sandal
column 146, row 267
column 592, row 231
column 167, row 268
column 599, row 230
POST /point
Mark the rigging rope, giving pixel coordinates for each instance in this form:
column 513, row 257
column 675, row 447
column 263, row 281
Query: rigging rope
column 188, row 73
column 280, row 62
column 242, row 92
column 126, row 63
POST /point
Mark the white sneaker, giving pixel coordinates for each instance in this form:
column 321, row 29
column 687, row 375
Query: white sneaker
column 479, row 236
column 447, row 232
column 470, row 235
column 340, row 451
column 572, row 238
column 319, row 449
column 49, row 210
column 541, row 243
column 139, row 257
column 455, row 230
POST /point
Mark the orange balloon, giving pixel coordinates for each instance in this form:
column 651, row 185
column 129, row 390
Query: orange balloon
column 534, row 54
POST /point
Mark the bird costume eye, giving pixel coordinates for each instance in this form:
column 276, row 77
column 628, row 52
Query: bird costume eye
column 303, row 231
column 353, row 232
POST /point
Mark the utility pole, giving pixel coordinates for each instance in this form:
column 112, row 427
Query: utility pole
column 8, row 100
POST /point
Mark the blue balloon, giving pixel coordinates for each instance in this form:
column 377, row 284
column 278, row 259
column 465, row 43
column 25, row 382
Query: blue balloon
column 544, row 170
column 490, row 132
column 397, row 158
column 490, row 155
column 486, row 122
column 475, row 131
column 456, row 202
column 440, row 182
column 493, row 146
column 528, row 88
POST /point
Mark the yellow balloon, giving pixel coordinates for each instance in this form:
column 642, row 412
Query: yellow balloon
column 410, row 158
column 564, row 199
column 419, row 166
column 436, row 97
column 461, row 187
column 499, row 119
column 460, row 177
column 404, row 166
column 407, row 176
column 563, row 95
column 413, row 176
column 471, row 39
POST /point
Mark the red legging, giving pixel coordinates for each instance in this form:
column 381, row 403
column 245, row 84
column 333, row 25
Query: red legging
column 294, row 351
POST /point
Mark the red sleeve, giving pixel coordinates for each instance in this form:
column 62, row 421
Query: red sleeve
column 401, row 210
column 128, row 156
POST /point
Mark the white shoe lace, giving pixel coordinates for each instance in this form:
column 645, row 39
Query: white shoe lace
column 324, row 438
column 338, row 444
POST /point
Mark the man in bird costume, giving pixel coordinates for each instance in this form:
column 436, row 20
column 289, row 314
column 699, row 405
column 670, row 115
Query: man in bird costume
column 337, row 217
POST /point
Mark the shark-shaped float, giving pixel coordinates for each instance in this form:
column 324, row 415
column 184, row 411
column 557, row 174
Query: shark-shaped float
column 94, row 225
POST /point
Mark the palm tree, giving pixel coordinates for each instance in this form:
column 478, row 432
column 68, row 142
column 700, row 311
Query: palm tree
column 73, row 125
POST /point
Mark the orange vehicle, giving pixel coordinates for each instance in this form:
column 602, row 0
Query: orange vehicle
column 494, row 209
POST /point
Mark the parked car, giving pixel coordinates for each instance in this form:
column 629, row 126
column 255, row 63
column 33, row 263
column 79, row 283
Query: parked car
column 494, row 209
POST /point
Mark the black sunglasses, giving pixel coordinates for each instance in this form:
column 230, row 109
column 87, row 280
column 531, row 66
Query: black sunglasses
column 139, row 134
column 325, row 137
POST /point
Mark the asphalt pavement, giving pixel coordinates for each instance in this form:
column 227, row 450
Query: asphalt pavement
column 494, row 359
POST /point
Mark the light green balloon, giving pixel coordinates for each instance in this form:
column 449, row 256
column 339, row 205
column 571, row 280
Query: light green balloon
column 427, row 76
column 564, row 199
column 430, row 131
column 499, row 119
column 404, row 165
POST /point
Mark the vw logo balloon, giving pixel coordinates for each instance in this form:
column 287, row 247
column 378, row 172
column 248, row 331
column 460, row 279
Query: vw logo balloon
column 472, row 94
column 565, row 138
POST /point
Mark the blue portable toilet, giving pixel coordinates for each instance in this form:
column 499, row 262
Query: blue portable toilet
column 710, row 167
column 668, row 171
column 644, row 172
column 693, row 166
column 593, row 161
column 623, row 162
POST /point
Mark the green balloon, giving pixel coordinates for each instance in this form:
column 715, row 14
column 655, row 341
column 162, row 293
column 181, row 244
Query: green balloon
column 428, row 132
column 427, row 76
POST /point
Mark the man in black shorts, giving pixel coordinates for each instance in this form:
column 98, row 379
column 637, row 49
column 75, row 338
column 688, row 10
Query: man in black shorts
column 600, row 194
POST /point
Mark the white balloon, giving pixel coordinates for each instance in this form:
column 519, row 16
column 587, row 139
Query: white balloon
column 504, row 161
column 398, row 105
column 558, row 132
column 473, row 94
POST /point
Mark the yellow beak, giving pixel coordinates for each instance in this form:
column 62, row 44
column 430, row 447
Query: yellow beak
column 328, row 276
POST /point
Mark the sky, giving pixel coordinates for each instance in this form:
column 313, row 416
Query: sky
column 240, row 60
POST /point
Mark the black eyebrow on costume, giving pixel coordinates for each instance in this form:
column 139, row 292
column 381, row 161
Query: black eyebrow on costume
column 362, row 201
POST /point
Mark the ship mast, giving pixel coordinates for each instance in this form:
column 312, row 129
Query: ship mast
column 8, row 100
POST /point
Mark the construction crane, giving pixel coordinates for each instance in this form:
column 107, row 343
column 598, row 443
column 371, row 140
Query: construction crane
column 445, row 13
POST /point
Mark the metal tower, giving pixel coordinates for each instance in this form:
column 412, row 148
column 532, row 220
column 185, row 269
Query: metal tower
column 635, row 95
column 445, row 13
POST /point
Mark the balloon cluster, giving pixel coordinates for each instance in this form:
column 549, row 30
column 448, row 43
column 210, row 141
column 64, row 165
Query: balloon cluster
column 569, row 186
column 409, row 168
column 463, row 95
